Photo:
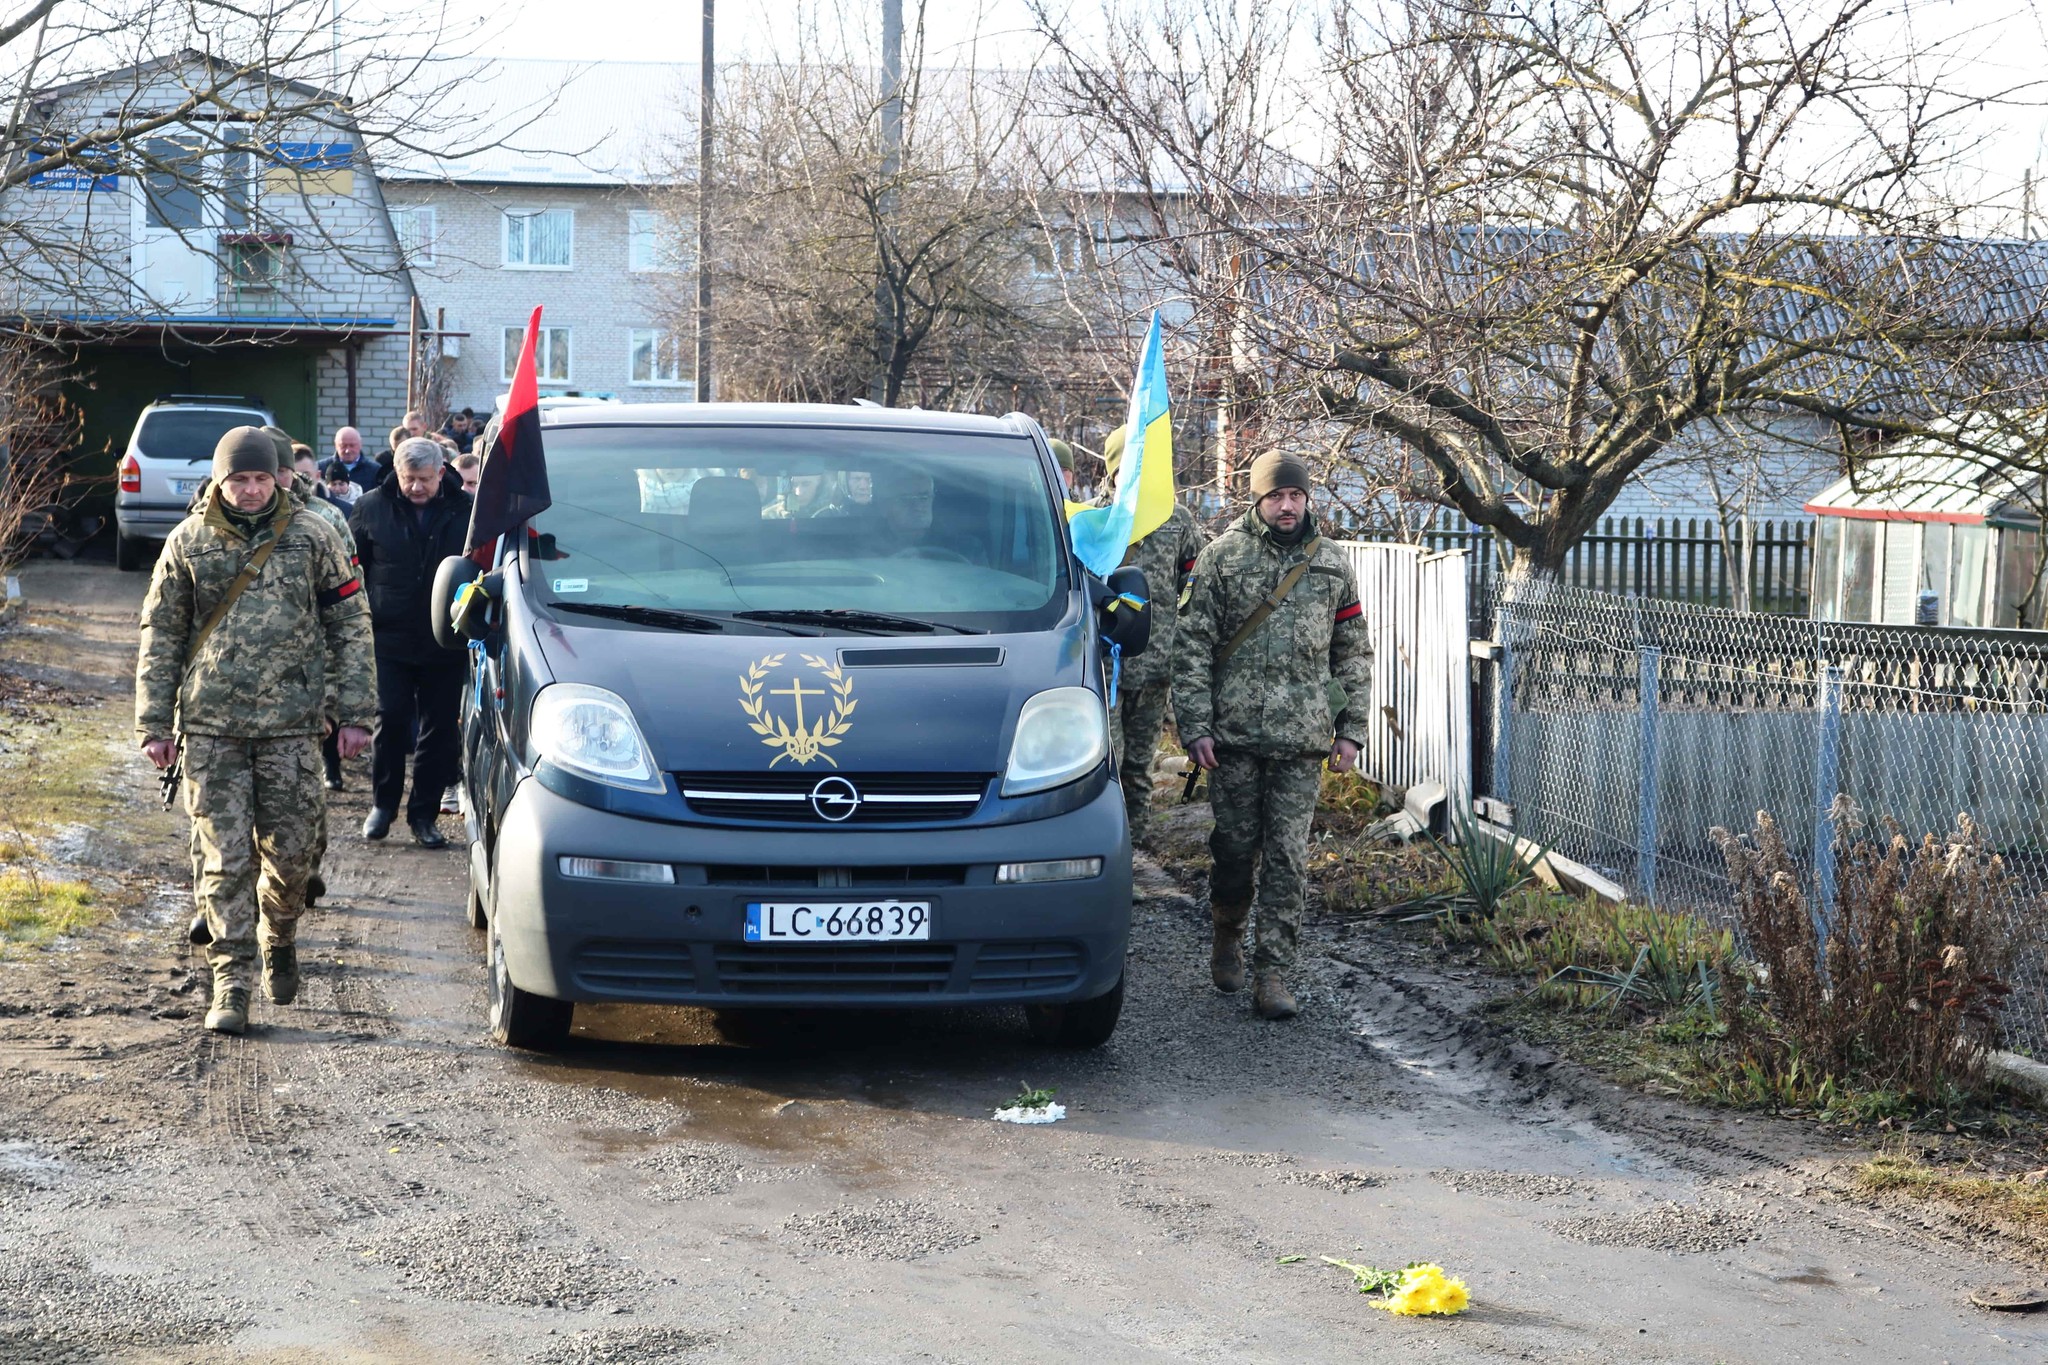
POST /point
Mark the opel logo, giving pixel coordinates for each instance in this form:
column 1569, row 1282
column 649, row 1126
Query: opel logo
column 835, row 799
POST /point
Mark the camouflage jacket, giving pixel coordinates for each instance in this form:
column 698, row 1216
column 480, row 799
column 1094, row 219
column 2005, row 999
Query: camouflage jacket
column 294, row 650
column 1272, row 696
column 1167, row 557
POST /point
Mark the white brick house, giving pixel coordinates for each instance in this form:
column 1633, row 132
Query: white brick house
column 247, row 255
column 559, row 215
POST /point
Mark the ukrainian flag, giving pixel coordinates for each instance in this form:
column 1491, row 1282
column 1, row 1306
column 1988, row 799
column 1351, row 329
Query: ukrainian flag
column 1144, row 478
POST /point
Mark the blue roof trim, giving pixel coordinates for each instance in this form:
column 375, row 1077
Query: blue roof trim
column 218, row 320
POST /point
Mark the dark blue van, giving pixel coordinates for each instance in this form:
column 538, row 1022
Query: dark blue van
column 795, row 706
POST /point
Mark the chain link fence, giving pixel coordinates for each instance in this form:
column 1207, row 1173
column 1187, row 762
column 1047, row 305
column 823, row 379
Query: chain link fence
column 1622, row 730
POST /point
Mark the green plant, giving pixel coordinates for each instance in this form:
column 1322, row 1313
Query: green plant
column 1032, row 1099
column 1487, row 865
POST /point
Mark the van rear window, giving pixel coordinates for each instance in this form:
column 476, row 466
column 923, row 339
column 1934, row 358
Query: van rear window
column 943, row 526
column 188, row 433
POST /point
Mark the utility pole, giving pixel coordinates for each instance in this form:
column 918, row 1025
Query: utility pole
column 704, row 89
column 892, row 165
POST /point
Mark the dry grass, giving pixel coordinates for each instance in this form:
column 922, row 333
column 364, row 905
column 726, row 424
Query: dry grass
column 1905, row 987
column 2020, row 1200
column 35, row 910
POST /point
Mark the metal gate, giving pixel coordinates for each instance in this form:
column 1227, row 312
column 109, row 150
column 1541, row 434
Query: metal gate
column 1421, row 715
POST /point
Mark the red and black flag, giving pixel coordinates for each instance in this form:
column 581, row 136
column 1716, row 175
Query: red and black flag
column 513, row 484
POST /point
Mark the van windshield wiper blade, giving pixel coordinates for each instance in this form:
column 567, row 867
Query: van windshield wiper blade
column 645, row 616
column 877, row 622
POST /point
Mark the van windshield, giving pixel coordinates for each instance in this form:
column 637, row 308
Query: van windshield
column 941, row 526
column 189, row 433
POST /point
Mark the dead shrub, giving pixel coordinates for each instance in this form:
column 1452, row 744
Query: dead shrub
column 1903, row 988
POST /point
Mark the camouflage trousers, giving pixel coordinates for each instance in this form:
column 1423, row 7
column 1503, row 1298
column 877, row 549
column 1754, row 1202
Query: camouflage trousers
column 255, row 806
column 1134, row 726
column 1263, row 809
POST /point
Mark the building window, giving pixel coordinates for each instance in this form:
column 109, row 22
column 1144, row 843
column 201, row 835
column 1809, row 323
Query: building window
column 550, row 354
column 538, row 239
column 657, row 356
column 255, row 261
column 415, row 228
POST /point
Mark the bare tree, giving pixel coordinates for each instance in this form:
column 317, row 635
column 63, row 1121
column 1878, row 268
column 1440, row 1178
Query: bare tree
column 35, row 425
column 1138, row 94
column 815, row 238
column 1531, row 250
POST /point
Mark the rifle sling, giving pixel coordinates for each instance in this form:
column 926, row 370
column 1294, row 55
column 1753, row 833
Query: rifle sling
column 1266, row 608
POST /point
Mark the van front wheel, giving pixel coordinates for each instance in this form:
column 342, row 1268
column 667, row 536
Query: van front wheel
column 1082, row 1024
column 521, row 1019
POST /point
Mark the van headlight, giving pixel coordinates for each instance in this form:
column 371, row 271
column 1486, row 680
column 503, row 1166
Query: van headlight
column 591, row 732
column 1062, row 734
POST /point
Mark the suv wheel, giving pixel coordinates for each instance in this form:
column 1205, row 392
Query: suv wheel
column 1082, row 1024
column 130, row 554
column 521, row 1019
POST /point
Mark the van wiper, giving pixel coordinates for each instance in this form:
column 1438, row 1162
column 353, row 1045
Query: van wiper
column 645, row 616
column 871, row 622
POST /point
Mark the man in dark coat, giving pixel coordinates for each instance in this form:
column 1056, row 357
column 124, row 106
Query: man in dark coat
column 417, row 517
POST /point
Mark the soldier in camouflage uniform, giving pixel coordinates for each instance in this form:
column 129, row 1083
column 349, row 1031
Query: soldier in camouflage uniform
column 1167, row 557
column 1260, row 719
column 303, row 495
column 291, row 657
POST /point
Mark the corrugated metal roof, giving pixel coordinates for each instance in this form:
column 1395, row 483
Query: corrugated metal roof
column 1928, row 481
column 534, row 122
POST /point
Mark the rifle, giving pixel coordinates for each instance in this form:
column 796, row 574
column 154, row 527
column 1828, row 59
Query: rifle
column 169, row 778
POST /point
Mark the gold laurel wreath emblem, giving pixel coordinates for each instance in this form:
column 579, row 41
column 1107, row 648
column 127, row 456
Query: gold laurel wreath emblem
column 801, row 740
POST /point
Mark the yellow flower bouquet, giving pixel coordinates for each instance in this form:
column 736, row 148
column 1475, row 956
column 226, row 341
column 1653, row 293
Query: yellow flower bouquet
column 1419, row 1290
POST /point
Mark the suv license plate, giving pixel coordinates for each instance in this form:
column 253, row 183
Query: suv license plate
column 838, row 921
column 185, row 488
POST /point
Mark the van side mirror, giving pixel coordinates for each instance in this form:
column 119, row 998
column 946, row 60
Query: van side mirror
column 1123, row 612
column 459, row 618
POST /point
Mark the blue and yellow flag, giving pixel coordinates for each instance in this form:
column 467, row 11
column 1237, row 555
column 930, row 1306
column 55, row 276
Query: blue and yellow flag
column 1144, row 478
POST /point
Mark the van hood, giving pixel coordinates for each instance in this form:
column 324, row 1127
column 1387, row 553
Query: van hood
column 870, row 704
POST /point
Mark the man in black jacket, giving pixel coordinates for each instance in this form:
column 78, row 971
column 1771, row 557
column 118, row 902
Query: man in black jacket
column 404, row 528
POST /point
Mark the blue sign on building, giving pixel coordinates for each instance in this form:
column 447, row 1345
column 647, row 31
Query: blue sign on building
column 72, row 176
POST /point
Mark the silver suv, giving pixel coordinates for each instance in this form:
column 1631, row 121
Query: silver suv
column 168, row 457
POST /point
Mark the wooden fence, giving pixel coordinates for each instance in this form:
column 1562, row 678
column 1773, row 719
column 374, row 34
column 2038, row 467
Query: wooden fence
column 1670, row 559
column 1420, row 725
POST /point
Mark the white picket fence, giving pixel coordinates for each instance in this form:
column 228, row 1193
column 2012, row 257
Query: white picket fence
column 1421, row 727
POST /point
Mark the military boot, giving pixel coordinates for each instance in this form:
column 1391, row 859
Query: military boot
column 1226, row 947
column 281, row 972
column 1271, row 999
column 230, row 1012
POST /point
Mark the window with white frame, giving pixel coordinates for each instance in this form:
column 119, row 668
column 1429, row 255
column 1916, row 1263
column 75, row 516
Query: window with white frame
column 539, row 239
column 415, row 228
column 643, row 241
column 550, row 354
column 657, row 356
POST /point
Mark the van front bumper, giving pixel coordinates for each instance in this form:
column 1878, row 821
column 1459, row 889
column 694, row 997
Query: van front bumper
column 572, row 938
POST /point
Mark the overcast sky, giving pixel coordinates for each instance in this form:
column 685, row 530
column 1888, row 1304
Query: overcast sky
column 1995, row 44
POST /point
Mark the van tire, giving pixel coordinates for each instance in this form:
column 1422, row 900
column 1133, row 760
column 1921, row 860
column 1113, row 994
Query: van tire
column 1081, row 1024
column 130, row 553
column 521, row 1019
column 479, row 918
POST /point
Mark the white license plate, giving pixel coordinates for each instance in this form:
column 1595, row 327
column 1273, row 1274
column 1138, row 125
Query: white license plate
column 185, row 488
column 838, row 921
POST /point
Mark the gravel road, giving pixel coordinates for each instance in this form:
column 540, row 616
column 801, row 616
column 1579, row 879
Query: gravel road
column 365, row 1178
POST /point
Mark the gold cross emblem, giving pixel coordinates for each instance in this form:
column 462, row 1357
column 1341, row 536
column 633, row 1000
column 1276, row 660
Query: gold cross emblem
column 801, row 741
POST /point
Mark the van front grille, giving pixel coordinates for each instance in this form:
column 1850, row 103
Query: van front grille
column 871, row 970
column 815, row 798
